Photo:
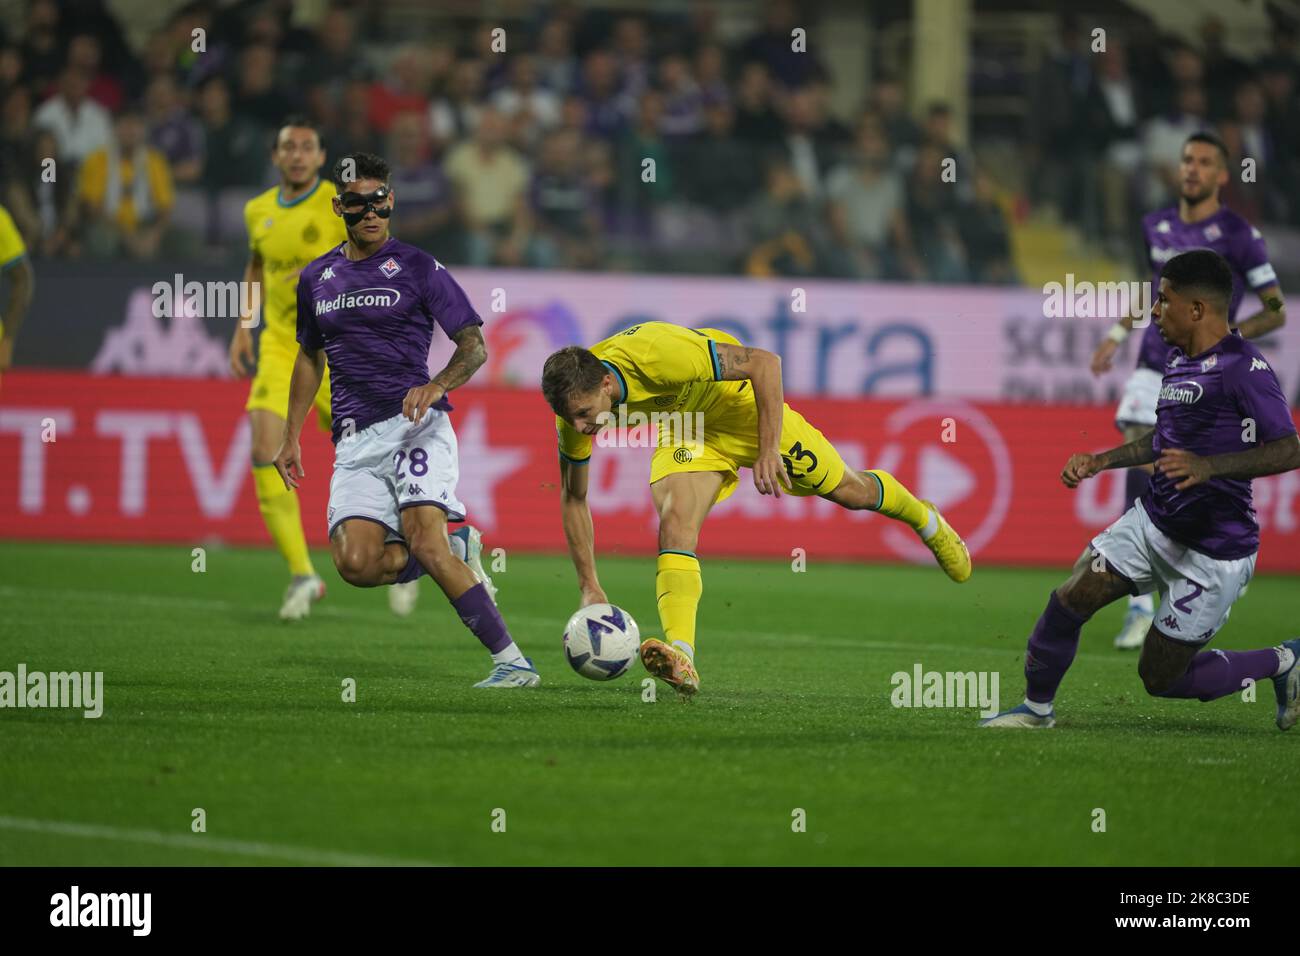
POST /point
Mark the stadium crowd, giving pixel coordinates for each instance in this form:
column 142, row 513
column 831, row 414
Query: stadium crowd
column 537, row 157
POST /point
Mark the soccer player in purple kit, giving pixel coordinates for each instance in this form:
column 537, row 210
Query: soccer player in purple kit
column 1199, row 221
column 1221, row 420
column 370, row 305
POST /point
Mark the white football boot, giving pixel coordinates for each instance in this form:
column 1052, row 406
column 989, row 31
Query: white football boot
column 469, row 539
column 403, row 597
column 299, row 596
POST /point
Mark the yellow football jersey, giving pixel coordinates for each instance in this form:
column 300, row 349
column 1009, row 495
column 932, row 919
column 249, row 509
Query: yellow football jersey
column 660, row 367
column 287, row 236
column 12, row 247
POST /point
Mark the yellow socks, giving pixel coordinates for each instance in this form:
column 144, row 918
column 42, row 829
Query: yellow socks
column 677, row 591
column 897, row 502
column 280, row 512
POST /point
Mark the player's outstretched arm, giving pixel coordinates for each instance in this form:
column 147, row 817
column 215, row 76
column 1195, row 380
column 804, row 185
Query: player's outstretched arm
column 579, row 531
column 1272, row 316
column 1270, row 458
column 470, row 354
column 1137, row 452
column 763, row 369
column 308, row 371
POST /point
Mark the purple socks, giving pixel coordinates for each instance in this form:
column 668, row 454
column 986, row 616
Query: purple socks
column 482, row 617
column 1051, row 650
column 1215, row 674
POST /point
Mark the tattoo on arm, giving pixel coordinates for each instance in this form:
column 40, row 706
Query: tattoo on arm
column 1137, row 452
column 1270, row 458
column 734, row 361
column 470, row 354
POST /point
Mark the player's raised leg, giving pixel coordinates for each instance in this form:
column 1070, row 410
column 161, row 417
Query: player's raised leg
column 1055, row 638
column 425, row 530
column 280, row 512
column 879, row 491
column 682, row 501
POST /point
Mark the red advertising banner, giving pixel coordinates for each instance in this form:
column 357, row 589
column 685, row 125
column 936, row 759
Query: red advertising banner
column 112, row 458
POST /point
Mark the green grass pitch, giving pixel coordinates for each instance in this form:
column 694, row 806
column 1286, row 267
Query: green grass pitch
column 211, row 703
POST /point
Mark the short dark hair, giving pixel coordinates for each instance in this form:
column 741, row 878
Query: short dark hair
column 1203, row 272
column 298, row 121
column 359, row 166
column 1211, row 139
column 572, row 370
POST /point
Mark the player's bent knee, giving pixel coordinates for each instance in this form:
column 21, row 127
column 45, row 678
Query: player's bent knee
column 358, row 566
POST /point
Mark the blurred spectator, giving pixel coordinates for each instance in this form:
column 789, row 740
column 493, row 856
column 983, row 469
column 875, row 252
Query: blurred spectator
column 257, row 92
column 42, row 46
column 938, row 133
column 867, row 205
column 79, row 124
column 236, row 151
column 455, row 116
column 719, row 171
column 349, row 129
column 631, row 48
column 1246, row 199
column 1223, row 71
column 39, row 203
column 932, row 208
column 888, row 101
column 1162, row 145
column 566, row 225
column 106, row 89
column 641, row 142
column 173, row 130
column 491, row 181
column 402, row 88
column 772, row 46
column 1110, row 134
column 783, row 228
column 986, row 235
column 333, row 64
column 124, row 193
column 683, row 98
column 11, row 70
column 607, row 107
column 812, row 142
column 16, row 130
column 531, row 109
column 419, row 186
column 710, row 64
column 756, row 118
column 555, row 59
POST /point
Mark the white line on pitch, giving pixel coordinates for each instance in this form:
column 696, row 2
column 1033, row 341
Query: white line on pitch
column 218, row 604
column 298, row 854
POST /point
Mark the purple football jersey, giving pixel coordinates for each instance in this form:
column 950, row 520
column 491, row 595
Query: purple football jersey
column 1228, row 234
column 1207, row 406
column 374, row 318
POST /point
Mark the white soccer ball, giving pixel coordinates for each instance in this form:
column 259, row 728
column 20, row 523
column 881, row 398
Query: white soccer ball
column 601, row 641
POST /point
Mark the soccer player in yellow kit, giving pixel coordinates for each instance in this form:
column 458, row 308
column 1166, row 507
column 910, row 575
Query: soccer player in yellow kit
column 19, row 282
column 288, row 226
column 737, row 393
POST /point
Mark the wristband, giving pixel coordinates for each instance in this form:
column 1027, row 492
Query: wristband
column 1118, row 333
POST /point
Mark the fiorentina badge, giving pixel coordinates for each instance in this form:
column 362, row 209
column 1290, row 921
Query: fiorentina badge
column 390, row 268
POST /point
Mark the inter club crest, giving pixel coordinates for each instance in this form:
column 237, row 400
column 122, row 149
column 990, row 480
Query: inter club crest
column 390, row 268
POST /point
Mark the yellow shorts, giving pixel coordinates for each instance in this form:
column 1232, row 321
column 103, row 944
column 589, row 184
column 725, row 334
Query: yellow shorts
column 270, row 388
column 730, row 442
